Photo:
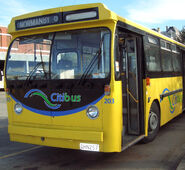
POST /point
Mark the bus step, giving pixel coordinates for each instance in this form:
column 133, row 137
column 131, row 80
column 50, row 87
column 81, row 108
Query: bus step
column 129, row 140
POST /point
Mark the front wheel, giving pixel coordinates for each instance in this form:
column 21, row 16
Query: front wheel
column 153, row 123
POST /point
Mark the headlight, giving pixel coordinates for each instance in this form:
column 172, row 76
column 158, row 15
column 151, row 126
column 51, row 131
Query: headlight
column 92, row 112
column 18, row 108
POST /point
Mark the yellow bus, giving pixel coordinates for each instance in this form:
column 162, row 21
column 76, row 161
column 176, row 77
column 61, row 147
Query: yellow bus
column 82, row 77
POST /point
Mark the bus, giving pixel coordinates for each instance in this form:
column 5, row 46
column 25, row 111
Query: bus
column 84, row 78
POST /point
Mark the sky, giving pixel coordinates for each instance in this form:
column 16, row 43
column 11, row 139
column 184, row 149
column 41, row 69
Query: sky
column 149, row 13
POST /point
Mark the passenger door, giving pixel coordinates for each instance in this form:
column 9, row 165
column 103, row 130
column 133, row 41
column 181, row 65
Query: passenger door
column 130, row 85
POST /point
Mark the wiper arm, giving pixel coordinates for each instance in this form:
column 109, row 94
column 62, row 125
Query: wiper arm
column 35, row 69
column 43, row 67
column 32, row 72
column 92, row 62
column 89, row 67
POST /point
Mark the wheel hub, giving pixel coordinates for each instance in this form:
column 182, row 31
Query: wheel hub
column 153, row 120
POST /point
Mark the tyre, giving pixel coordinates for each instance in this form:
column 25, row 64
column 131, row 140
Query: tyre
column 153, row 123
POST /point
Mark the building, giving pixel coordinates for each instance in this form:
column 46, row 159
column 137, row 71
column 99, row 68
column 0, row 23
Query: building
column 5, row 39
column 172, row 32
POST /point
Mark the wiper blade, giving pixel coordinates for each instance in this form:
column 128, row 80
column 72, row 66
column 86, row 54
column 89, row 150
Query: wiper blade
column 32, row 72
column 35, row 69
column 91, row 65
column 89, row 68
column 43, row 67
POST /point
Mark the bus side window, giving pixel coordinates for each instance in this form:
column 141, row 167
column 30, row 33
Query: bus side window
column 152, row 54
column 166, row 58
column 176, row 57
column 152, row 58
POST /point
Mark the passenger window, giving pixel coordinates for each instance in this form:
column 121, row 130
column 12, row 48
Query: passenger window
column 153, row 40
column 163, row 45
column 176, row 60
column 168, row 46
column 174, row 48
column 152, row 57
column 166, row 61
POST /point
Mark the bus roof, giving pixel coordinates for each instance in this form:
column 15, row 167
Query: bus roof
column 149, row 31
column 62, row 13
column 56, row 17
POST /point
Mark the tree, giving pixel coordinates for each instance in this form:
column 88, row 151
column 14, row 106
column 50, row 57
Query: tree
column 182, row 35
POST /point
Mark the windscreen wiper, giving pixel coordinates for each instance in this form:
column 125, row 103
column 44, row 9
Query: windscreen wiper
column 32, row 72
column 43, row 66
column 35, row 69
column 91, row 65
column 88, row 68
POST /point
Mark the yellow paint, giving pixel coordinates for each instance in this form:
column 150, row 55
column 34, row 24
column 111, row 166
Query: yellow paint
column 112, row 113
column 154, row 91
column 55, row 133
column 70, row 130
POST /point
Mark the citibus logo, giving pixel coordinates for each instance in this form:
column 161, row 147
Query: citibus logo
column 173, row 100
column 64, row 97
column 55, row 98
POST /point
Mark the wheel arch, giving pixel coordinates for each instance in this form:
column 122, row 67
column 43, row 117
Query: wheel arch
column 155, row 104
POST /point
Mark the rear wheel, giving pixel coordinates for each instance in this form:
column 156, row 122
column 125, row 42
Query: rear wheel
column 153, row 123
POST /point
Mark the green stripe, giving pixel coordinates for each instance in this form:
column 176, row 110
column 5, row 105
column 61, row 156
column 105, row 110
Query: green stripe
column 44, row 97
column 170, row 103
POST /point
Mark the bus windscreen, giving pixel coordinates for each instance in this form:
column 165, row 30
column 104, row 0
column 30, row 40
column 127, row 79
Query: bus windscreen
column 62, row 55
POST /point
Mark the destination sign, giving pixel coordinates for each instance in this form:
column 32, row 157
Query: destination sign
column 38, row 21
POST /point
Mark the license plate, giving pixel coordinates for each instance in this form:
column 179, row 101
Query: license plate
column 89, row 147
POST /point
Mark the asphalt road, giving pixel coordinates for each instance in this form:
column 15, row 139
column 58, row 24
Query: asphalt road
column 165, row 152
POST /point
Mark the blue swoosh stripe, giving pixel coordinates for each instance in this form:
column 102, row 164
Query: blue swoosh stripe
column 52, row 107
column 172, row 111
column 58, row 113
column 68, row 112
column 34, row 90
column 164, row 92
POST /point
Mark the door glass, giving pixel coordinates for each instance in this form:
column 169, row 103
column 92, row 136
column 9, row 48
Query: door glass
column 132, row 88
